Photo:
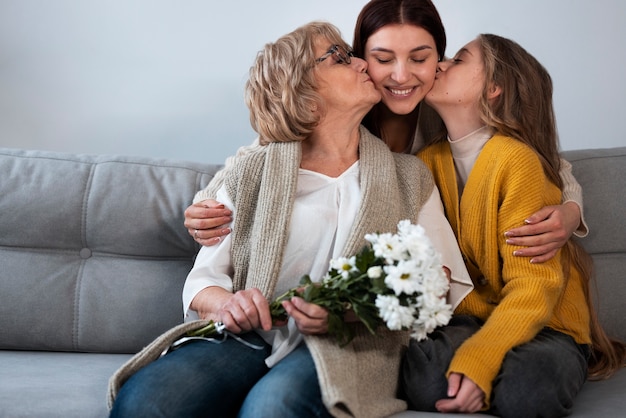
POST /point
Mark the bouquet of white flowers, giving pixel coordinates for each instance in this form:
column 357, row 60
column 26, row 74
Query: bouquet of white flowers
column 397, row 280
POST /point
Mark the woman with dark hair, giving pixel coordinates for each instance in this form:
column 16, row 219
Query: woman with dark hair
column 402, row 42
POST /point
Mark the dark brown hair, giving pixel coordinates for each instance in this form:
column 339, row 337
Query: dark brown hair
column 379, row 13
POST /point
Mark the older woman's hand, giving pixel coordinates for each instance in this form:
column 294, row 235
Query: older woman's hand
column 242, row 311
column 310, row 318
column 205, row 221
column 246, row 310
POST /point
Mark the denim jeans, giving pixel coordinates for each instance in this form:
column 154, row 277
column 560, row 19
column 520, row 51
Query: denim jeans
column 203, row 379
column 538, row 379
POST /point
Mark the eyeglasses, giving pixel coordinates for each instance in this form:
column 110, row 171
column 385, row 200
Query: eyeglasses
column 339, row 53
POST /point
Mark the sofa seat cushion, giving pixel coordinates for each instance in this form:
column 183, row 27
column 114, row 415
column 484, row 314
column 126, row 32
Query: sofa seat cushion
column 601, row 399
column 54, row 384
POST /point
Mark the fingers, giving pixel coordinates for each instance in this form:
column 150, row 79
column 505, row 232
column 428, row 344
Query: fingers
column 309, row 318
column 208, row 237
column 454, row 383
column 540, row 248
column 541, row 215
column 246, row 310
column 469, row 397
column 539, row 251
column 198, row 216
column 537, row 234
column 205, row 221
column 543, row 258
column 546, row 231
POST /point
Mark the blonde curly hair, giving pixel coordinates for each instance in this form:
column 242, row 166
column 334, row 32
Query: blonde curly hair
column 281, row 90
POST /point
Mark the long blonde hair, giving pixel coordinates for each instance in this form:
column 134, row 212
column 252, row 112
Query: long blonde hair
column 524, row 111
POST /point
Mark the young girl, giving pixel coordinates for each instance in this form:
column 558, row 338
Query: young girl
column 525, row 338
column 402, row 42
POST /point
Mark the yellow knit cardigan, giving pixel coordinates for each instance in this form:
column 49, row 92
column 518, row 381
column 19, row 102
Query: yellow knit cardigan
column 515, row 298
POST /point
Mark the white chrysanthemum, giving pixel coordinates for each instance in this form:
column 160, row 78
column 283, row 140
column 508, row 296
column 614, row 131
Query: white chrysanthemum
column 417, row 242
column 374, row 272
column 405, row 277
column 387, row 246
column 396, row 316
column 435, row 281
column 433, row 312
column 406, row 229
column 419, row 333
column 344, row 265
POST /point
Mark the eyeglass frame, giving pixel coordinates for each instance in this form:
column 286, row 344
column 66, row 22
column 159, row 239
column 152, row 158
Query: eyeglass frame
column 344, row 55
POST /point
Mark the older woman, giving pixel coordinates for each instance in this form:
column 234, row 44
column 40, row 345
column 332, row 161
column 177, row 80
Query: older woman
column 318, row 184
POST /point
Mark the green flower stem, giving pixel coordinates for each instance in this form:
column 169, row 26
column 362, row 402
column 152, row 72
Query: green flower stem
column 208, row 330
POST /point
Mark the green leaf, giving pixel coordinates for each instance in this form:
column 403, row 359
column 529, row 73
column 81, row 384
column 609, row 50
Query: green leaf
column 338, row 329
column 305, row 280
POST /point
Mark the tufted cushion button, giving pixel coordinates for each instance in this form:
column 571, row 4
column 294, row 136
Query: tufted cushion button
column 482, row 281
column 85, row 253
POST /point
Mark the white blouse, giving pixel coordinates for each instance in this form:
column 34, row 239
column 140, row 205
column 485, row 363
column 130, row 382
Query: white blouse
column 323, row 213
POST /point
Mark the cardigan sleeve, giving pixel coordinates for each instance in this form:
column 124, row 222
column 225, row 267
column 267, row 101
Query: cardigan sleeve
column 210, row 192
column 572, row 192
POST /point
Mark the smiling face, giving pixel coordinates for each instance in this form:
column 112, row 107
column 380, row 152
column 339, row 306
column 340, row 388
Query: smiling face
column 402, row 61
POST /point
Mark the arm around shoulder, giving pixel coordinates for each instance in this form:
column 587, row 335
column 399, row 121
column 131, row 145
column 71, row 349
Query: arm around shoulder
column 210, row 191
column 572, row 192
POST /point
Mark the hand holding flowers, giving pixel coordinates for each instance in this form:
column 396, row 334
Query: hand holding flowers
column 397, row 281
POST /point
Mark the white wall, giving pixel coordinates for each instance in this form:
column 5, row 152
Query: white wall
column 165, row 78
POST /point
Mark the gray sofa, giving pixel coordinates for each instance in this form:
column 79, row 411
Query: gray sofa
column 93, row 255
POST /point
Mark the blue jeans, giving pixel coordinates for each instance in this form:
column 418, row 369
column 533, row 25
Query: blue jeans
column 538, row 379
column 203, row 379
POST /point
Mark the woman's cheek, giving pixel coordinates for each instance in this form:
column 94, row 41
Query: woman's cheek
column 427, row 76
column 377, row 74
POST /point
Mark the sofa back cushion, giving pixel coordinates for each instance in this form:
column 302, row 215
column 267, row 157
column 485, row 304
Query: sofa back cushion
column 94, row 254
column 602, row 175
column 93, row 250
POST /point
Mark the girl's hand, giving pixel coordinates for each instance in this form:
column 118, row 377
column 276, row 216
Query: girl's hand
column 464, row 396
column 310, row 318
column 205, row 221
column 545, row 232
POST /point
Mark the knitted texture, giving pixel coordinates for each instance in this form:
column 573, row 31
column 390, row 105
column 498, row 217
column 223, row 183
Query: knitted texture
column 218, row 179
column 360, row 379
column 515, row 297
